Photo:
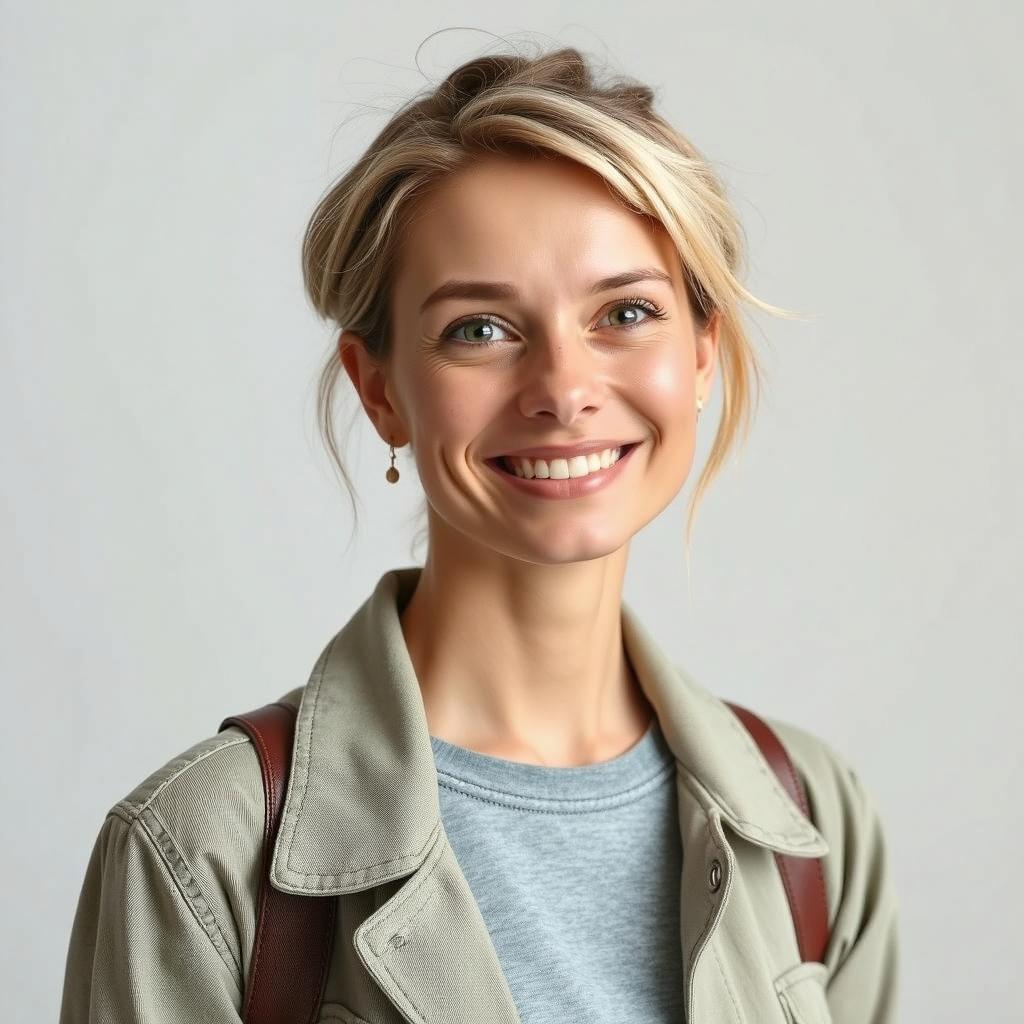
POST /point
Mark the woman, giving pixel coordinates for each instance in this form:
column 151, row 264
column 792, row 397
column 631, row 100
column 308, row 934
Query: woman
column 523, row 809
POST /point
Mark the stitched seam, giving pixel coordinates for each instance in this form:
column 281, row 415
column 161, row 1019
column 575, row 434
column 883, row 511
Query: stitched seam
column 698, row 948
column 268, row 775
column 690, row 783
column 134, row 810
column 728, row 987
column 819, row 870
column 596, row 803
column 387, row 970
column 408, row 998
column 190, row 891
column 797, row 974
column 791, row 1012
column 255, row 957
column 412, row 857
column 753, row 826
column 798, row 786
column 301, row 756
column 119, row 812
column 802, row 788
column 824, row 891
column 758, row 761
column 698, row 943
column 300, row 764
column 424, row 878
column 423, row 906
column 652, row 777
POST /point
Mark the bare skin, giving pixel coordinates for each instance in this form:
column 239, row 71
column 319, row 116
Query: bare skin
column 514, row 629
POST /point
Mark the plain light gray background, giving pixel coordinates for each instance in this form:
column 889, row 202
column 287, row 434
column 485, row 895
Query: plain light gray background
column 175, row 545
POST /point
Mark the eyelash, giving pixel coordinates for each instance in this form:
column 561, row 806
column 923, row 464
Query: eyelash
column 651, row 308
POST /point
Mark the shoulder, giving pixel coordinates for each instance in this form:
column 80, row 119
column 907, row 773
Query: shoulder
column 191, row 834
column 858, row 877
column 167, row 909
column 863, row 956
column 840, row 802
column 201, row 817
column 218, row 778
column 824, row 770
column 218, row 770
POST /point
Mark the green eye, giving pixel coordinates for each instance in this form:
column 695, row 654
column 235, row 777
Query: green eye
column 489, row 322
column 484, row 321
column 648, row 307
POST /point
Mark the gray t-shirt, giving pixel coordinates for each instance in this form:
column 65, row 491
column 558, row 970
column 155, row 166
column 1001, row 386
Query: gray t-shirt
column 576, row 871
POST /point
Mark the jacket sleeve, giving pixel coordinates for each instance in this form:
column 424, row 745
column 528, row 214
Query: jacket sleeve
column 863, row 957
column 144, row 945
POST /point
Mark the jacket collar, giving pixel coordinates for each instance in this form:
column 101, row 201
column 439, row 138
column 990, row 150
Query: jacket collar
column 362, row 805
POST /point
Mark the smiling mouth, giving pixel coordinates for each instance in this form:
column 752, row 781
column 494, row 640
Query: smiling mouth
column 500, row 463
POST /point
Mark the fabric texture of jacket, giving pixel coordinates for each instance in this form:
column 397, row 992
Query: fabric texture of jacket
column 165, row 921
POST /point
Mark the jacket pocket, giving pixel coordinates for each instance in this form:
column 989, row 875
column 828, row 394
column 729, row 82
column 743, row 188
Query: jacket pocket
column 335, row 1013
column 801, row 990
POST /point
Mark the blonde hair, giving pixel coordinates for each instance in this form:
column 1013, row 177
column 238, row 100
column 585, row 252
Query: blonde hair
column 547, row 104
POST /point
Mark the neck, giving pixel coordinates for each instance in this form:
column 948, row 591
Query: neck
column 524, row 661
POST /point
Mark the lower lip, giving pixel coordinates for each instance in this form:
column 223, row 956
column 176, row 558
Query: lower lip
column 574, row 487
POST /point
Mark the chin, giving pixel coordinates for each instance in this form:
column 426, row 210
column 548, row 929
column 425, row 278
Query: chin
column 563, row 546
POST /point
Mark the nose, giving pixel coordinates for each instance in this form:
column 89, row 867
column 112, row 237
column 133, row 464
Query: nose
column 564, row 378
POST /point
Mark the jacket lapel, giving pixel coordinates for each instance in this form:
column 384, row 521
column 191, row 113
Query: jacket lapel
column 429, row 950
column 362, row 809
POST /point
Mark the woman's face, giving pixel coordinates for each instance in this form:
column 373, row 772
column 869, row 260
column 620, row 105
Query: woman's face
column 542, row 360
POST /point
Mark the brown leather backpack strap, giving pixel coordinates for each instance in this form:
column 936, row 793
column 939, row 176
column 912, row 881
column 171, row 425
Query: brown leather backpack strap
column 802, row 877
column 291, row 950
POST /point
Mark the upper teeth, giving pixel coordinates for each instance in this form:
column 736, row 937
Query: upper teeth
column 562, row 469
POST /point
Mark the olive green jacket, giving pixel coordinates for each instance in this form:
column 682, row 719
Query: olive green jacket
column 166, row 917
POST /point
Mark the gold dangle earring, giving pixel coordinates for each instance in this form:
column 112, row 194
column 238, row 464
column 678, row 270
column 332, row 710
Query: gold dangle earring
column 392, row 473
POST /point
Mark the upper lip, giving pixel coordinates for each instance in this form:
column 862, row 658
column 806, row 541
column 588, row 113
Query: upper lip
column 566, row 452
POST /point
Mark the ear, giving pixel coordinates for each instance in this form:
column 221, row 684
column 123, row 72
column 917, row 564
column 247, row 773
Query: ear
column 370, row 379
column 707, row 354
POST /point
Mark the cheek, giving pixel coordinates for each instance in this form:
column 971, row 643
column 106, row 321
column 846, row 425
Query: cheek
column 665, row 386
column 452, row 410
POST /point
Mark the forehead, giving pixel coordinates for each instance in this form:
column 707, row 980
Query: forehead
column 544, row 222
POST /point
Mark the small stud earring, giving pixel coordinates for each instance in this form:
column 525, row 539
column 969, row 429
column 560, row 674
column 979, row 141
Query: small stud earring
column 700, row 405
column 392, row 473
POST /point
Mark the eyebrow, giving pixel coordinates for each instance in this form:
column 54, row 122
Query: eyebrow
column 505, row 290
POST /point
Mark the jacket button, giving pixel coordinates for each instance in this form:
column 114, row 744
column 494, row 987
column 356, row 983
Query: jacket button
column 715, row 876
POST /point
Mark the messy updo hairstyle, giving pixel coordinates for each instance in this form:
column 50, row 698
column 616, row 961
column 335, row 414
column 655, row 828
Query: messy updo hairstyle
column 548, row 104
